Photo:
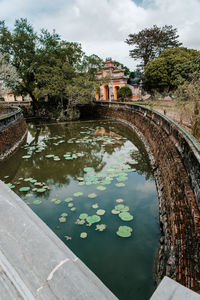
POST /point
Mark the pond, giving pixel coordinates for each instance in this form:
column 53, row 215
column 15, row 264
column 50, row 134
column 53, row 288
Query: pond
column 77, row 176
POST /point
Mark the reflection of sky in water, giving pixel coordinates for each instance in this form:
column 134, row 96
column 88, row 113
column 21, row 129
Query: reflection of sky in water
column 124, row 265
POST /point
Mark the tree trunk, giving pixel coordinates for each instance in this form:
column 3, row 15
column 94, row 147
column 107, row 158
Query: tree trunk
column 34, row 103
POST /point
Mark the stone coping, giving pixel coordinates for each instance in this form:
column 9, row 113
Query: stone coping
column 35, row 263
column 192, row 139
column 169, row 289
column 12, row 113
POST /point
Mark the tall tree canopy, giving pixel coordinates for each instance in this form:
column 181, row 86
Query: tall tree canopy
column 46, row 65
column 150, row 42
column 171, row 68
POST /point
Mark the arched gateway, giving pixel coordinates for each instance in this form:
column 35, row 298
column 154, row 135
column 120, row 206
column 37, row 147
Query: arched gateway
column 115, row 80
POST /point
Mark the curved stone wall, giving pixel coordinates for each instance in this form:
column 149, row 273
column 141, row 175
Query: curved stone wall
column 176, row 165
column 12, row 131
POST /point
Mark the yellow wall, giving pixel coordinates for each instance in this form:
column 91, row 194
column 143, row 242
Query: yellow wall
column 105, row 92
column 115, row 91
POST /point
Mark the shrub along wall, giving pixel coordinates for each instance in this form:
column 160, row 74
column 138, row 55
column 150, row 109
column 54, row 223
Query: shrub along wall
column 176, row 167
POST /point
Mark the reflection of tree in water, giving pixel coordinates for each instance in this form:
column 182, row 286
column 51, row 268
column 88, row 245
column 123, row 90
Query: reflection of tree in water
column 59, row 172
column 143, row 165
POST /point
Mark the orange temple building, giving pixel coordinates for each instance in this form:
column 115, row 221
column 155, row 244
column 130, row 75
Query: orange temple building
column 117, row 79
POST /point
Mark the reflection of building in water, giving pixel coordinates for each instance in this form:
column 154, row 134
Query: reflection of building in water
column 117, row 79
column 104, row 132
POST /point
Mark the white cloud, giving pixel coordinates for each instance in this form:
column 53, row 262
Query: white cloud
column 103, row 25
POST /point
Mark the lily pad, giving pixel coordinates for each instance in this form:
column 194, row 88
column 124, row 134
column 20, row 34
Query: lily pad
column 28, row 179
column 42, row 190
column 53, row 200
column 57, row 202
column 49, row 155
column 24, row 189
column 122, row 178
column 83, row 235
column 93, row 219
column 26, row 156
column 95, row 206
column 70, row 204
column 119, row 200
column 115, row 212
column 93, row 195
column 83, row 216
column 80, row 222
column 69, row 199
column 126, row 216
column 88, row 169
column 11, row 186
column 120, row 184
column 62, row 219
column 119, row 207
column 37, row 202
column 33, row 180
column 101, row 188
column 38, row 183
column 124, row 231
column 64, row 215
column 126, row 208
column 100, row 227
column 100, row 212
column 73, row 209
column 78, row 194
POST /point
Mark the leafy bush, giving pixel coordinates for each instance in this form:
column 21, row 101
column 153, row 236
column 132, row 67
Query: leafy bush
column 124, row 92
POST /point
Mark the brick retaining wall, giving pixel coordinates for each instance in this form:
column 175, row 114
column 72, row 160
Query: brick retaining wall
column 12, row 132
column 177, row 170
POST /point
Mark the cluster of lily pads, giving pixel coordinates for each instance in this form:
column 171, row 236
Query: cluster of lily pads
column 122, row 211
column 31, row 185
column 117, row 173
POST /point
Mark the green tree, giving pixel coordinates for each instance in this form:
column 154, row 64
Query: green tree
column 80, row 91
column 30, row 53
column 124, row 92
column 91, row 65
column 150, row 42
column 170, row 69
column 21, row 45
column 52, row 80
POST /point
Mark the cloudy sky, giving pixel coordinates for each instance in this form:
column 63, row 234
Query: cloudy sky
column 101, row 26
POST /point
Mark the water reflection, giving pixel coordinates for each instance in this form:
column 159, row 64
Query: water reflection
column 83, row 156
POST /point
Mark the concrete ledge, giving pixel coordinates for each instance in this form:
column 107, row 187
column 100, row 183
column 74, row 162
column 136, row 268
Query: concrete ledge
column 169, row 289
column 35, row 263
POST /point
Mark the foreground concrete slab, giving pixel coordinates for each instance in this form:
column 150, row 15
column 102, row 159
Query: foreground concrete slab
column 35, row 263
column 169, row 289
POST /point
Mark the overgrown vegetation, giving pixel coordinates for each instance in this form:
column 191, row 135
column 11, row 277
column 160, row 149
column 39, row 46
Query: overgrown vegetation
column 49, row 69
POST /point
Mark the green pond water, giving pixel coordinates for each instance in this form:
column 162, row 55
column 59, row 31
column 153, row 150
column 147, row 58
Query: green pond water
column 83, row 167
